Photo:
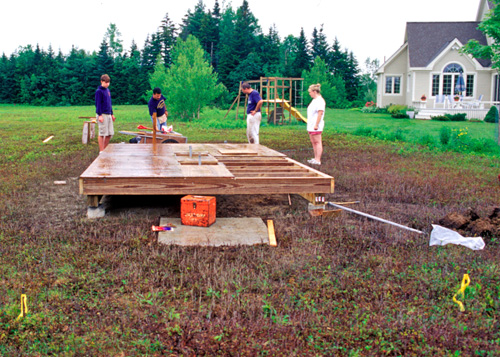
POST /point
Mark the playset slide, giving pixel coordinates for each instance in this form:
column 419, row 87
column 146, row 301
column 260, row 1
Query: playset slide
column 295, row 113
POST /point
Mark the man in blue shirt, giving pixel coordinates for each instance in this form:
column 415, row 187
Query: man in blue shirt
column 157, row 104
column 254, row 116
column 104, row 112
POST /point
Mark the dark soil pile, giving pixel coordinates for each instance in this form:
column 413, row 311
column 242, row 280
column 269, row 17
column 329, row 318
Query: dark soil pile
column 471, row 224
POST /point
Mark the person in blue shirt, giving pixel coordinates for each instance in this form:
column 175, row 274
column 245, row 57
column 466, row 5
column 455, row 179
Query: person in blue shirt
column 104, row 113
column 254, row 116
column 157, row 104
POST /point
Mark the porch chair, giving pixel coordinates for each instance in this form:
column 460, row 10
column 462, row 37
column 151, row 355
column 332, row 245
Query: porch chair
column 450, row 101
column 440, row 98
column 477, row 104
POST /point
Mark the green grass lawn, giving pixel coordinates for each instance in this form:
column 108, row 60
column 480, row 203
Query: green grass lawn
column 343, row 286
column 478, row 137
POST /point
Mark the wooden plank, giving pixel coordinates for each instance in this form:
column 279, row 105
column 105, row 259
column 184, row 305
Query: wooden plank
column 127, row 169
column 202, row 185
column 272, row 235
column 237, row 151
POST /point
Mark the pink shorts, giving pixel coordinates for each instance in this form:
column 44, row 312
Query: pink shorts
column 315, row 132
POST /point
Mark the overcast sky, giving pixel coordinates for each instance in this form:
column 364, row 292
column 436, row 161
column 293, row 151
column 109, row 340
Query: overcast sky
column 368, row 28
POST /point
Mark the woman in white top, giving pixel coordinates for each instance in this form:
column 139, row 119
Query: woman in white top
column 315, row 122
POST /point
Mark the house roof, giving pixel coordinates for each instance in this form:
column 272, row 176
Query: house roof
column 426, row 40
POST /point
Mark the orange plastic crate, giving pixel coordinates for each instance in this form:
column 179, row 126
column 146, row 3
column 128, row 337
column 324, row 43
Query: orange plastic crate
column 198, row 210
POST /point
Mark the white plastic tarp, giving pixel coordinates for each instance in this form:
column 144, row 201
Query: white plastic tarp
column 442, row 236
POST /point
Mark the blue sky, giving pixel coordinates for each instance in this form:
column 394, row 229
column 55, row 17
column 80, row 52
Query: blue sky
column 368, row 28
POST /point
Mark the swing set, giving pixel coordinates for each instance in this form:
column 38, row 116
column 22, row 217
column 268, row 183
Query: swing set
column 279, row 94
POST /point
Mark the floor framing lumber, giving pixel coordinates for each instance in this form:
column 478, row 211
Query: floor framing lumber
column 174, row 169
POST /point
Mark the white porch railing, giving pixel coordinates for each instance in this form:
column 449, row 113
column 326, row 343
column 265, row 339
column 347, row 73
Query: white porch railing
column 426, row 112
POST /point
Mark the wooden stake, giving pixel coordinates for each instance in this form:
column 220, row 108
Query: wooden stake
column 155, row 128
column 272, row 235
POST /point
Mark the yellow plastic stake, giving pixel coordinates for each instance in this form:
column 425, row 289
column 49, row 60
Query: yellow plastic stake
column 461, row 291
column 24, row 305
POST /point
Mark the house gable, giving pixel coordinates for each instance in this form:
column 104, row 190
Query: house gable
column 401, row 51
column 452, row 48
column 427, row 40
column 484, row 7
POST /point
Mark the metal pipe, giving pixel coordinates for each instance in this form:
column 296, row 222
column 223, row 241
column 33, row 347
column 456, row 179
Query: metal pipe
column 373, row 217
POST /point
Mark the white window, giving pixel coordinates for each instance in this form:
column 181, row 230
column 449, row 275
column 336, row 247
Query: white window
column 446, row 82
column 392, row 84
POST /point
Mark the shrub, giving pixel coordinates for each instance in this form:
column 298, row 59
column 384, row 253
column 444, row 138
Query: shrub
column 370, row 109
column 492, row 115
column 451, row 117
column 445, row 135
column 400, row 115
column 396, row 108
column 426, row 140
column 457, row 117
column 397, row 111
column 441, row 118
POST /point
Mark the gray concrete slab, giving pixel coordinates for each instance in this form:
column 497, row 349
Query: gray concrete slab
column 225, row 231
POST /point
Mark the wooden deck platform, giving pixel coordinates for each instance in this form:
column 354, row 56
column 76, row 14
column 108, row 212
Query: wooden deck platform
column 168, row 169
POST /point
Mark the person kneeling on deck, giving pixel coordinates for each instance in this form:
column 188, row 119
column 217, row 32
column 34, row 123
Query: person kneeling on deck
column 157, row 104
column 254, row 116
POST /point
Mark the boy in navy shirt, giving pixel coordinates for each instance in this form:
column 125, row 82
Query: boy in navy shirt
column 157, row 104
column 104, row 112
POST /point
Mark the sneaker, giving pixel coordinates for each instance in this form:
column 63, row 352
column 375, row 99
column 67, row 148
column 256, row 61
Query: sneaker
column 314, row 162
column 311, row 161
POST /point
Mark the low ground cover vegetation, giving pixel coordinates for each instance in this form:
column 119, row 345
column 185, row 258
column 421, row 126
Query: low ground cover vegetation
column 333, row 286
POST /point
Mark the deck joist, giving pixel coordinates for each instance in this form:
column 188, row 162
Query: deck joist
column 169, row 169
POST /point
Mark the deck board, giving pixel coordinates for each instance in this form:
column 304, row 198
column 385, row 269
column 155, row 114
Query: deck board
column 165, row 169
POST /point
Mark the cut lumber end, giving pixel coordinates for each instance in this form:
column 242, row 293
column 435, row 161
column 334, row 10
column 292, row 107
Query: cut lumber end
column 272, row 235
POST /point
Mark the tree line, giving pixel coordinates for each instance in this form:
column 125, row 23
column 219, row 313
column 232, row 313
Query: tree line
column 235, row 47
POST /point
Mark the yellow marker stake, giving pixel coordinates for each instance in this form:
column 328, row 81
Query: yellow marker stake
column 461, row 291
column 24, row 305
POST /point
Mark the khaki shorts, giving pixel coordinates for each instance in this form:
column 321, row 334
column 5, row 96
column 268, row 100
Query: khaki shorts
column 163, row 119
column 106, row 128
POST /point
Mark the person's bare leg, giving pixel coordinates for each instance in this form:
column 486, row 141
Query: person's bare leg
column 319, row 148
column 100, row 140
column 106, row 141
column 313, row 144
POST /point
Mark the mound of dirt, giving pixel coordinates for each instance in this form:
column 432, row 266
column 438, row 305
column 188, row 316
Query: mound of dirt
column 472, row 225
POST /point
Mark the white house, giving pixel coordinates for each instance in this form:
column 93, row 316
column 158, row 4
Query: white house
column 429, row 63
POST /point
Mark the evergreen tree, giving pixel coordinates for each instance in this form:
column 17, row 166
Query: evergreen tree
column 80, row 78
column 167, row 36
column 319, row 45
column 192, row 23
column 351, row 77
column 105, row 62
column 302, row 58
column 9, row 88
column 210, row 38
column 271, row 56
column 227, row 60
column 215, row 35
column 288, row 55
column 246, row 32
column 152, row 48
column 337, row 60
column 136, row 79
column 248, row 69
